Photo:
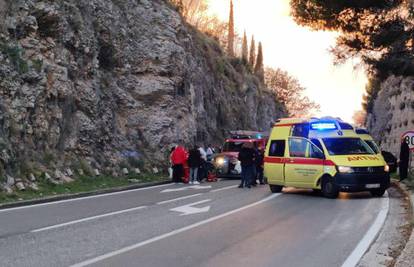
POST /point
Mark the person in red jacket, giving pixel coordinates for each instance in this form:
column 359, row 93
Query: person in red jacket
column 178, row 158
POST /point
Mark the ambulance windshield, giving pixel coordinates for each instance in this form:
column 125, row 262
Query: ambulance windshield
column 346, row 146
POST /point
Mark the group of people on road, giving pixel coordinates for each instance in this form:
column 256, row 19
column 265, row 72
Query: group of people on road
column 196, row 160
column 251, row 160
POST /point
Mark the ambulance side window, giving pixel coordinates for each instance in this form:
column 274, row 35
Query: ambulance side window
column 298, row 147
column 277, row 148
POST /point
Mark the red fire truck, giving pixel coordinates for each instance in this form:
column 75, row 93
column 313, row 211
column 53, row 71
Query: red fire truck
column 226, row 163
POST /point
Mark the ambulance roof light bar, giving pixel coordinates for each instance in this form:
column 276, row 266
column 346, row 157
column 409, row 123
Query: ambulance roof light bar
column 323, row 126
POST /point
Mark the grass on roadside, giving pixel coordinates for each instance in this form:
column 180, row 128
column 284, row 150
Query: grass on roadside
column 80, row 185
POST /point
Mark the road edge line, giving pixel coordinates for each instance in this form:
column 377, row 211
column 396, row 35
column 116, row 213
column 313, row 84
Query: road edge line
column 370, row 236
column 87, row 219
column 79, row 197
column 172, row 233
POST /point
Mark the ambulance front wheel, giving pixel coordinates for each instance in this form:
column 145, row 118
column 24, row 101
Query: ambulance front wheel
column 329, row 188
column 377, row 192
column 275, row 188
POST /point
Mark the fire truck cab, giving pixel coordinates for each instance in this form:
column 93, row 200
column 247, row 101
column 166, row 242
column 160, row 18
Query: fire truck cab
column 226, row 163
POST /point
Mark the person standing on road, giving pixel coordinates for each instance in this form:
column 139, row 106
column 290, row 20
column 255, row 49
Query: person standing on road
column 259, row 165
column 202, row 172
column 209, row 152
column 178, row 159
column 170, row 168
column 194, row 162
column 246, row 158
column 404, row 159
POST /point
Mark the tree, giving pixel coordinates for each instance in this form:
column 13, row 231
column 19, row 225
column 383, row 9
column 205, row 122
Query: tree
column 259, row 68
column 230, row 43
column 359, row 118
column 245, row 49
column 195, row 12
column 252, row 55
column 289, row 91
column 378, row 31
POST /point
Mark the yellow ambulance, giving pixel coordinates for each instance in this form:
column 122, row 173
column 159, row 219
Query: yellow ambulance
column 323, row 154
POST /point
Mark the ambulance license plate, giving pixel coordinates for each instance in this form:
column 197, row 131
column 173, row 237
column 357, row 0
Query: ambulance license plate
column 370, row 186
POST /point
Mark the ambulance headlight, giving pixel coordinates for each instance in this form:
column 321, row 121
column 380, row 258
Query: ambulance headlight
column 387, row 168
column 345, row 169
column 220, row 161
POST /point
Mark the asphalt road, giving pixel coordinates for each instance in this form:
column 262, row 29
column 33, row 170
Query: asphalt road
column 213, row 224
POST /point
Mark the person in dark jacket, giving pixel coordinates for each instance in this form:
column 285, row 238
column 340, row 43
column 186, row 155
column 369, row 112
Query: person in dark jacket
column 194, row 162
column 259, row 165
column 247, row 161
column 404, row 159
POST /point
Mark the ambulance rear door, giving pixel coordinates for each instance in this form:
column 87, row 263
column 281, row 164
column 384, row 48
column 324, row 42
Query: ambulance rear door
column 274, row 168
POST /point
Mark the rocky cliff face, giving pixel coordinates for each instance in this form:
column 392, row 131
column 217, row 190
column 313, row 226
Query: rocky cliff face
column 393, row 113
column 107, row 80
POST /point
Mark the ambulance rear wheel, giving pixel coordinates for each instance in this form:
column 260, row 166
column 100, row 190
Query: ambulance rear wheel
column 329, row 189
column 275, row 188
column 377, row 192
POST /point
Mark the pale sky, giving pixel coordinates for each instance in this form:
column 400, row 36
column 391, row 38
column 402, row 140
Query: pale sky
column 301, row 52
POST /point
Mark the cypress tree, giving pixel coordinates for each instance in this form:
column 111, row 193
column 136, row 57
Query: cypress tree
column 252, row 56
column 245, row 49
column 230, row 48
column 259, row 68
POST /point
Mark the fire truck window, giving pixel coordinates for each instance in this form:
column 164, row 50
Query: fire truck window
column 277, row 148
column 301, row 130
column 298, row 147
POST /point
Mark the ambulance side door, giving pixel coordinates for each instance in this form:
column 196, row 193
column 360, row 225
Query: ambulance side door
column 274, row 162
column 304, row 166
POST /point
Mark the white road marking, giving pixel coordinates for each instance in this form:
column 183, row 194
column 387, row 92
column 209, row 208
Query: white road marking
column 190, row 210
column 83, row 198
column 178, row 198
column 370, row 236
column 195, row 187
column 224, row 188
column 175, row 232
column 87, row 219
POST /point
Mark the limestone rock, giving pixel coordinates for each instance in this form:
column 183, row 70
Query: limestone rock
column 58, row 175
column 125, row 171
column 392, row 113
column 69, row 172
column 10, row 181
column 97, row 90
column 34, row 186
column 32, row 177
column 137, row 171
column 20, row 186
column 8, row 190
column 66, row 179
column 81, row 172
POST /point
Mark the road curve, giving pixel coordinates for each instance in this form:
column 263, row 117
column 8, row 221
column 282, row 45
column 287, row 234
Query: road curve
column 176, row 225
